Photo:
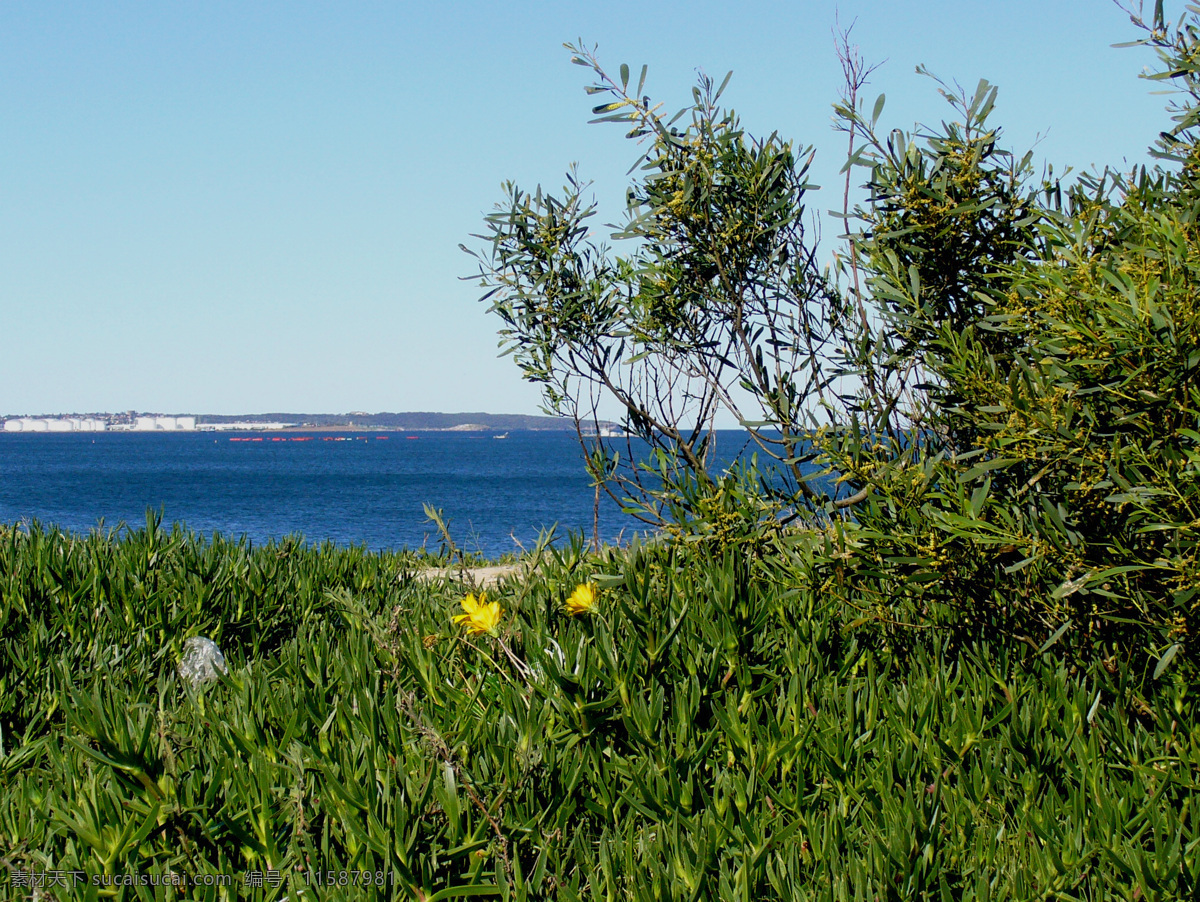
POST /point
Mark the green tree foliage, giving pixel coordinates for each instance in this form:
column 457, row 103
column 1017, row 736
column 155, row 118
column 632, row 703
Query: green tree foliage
column 1043, row 475
column 720, row 303
column 1004, row 398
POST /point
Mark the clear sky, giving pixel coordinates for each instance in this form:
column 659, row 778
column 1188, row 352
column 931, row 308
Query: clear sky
column 228, row 207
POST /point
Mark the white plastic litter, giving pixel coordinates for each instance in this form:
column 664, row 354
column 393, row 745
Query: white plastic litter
column 202, row 661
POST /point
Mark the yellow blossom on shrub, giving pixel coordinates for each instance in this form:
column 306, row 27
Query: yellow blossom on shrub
column 582, row 600
column 481, row 616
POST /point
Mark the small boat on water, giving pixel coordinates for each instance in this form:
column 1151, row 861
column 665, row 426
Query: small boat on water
column 505, row 435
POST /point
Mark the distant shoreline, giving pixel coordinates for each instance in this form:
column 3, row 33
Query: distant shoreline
column 354, row 421
column 203, row 430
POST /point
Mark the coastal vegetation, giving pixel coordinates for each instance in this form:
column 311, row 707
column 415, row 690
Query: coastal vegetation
column 937, row 642
column 667, row 721
column 990, row 406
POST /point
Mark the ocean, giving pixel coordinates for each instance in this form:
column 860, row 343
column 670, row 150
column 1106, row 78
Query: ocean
column 353, row 488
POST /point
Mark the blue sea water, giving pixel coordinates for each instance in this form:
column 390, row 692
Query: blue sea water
column 361, row 490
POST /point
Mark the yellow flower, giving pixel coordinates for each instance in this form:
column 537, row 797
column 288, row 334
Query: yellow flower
column 481, row 616
column 582, row 600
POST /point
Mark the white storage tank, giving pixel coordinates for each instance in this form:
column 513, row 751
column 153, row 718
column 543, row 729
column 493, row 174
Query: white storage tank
column 188, row 424
column 13, row 425
column 144, row 424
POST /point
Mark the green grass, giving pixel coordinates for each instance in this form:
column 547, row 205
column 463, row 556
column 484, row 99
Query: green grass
column 712, row 731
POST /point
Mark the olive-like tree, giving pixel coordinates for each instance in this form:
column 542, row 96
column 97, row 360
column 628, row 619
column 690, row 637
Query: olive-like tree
column 717, row 305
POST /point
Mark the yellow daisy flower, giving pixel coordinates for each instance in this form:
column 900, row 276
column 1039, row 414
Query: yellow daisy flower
column 582, row 600
column 480, row 616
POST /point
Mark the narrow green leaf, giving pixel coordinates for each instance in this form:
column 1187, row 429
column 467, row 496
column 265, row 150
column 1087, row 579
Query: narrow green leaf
column 724, row 83
column 1165, row 660
column 1058, row 634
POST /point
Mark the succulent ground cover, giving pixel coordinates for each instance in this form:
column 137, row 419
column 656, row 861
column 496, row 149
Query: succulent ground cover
column 695, row 723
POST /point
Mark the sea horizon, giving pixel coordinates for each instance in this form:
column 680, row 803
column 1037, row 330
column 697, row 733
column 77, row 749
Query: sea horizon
column 352, row 487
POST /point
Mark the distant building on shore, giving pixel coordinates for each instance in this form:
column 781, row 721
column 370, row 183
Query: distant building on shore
column 164, row 424
column 133, row 422
column 55, row 424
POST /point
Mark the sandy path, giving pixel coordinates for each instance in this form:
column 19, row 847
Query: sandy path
column 481, row 576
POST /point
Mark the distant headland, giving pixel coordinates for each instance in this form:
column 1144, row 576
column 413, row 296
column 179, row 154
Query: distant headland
column 138, row 421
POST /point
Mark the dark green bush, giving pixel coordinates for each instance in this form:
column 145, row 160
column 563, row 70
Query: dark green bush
column 1046, row 477
column 1004, row 394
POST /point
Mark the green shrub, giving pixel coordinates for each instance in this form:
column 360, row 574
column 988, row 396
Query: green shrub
column 1047, row 476
column 1004, row 396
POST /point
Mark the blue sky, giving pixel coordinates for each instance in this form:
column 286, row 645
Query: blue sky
column 229, row 207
